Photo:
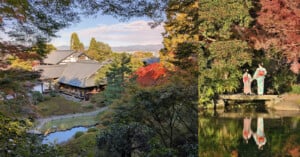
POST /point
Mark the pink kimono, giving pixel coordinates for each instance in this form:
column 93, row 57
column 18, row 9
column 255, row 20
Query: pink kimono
column 247, row 83
column 247, row 132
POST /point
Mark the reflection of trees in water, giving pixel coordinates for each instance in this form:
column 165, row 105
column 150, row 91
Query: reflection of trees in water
column 216, row 139
column 223, row 137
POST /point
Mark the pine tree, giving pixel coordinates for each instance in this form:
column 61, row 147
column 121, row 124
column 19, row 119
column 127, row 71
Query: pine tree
column 116, row 76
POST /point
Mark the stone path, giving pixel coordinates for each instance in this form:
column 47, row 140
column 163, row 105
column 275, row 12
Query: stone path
column 43, row 121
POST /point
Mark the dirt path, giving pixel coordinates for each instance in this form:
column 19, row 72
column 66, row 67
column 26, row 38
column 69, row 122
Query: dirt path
column 43, row 121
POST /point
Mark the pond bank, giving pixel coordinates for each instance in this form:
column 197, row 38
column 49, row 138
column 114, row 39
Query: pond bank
column 289, row 102
column 42, row 121
column 270, row 114
column 284, row 102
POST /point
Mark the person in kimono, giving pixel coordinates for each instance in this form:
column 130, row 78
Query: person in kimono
column 259, row 137
column 247, row 79
column 259, row 76
column 247, row 132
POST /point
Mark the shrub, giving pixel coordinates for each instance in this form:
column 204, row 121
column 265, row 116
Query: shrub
column 98, row 99
column 37, row 97
column 92, row 130
column 53, row 93
column 78, row 134
column 47, row 97
column 295, row 89
column 90, row 106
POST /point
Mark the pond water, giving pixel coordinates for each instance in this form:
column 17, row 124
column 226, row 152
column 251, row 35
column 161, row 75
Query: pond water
column 62, row 136
column 248, row 133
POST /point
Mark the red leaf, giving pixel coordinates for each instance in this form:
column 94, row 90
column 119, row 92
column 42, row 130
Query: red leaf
column 151, row 74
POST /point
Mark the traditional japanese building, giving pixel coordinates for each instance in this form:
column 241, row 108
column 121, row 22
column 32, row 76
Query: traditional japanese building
column 70, row 72
column 64, row 56
column 49, row 75
column 79, row 79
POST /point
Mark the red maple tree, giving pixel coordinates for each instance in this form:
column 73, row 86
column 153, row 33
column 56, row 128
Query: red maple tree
column 278, row 25
column 152, row 74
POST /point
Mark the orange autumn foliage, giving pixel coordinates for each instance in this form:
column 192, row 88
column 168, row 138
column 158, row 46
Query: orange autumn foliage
column 152, row 74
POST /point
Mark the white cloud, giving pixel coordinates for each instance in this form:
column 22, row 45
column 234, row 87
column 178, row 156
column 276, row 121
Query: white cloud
column 120, row 34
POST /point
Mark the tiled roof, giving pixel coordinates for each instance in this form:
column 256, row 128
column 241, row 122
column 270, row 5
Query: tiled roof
column 50, row 71
column 57, row 56
column 151, row 60
column 80, row 74
column 77, row 54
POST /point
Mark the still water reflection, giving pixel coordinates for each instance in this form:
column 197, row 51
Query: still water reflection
column 255, row 134
column 62, row 136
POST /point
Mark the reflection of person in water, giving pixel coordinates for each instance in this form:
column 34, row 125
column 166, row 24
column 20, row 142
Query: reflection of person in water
column 247, row 132
column 259, row 136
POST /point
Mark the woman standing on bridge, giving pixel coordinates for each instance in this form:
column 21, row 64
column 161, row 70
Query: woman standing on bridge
column 247, row 82
column 259, row 75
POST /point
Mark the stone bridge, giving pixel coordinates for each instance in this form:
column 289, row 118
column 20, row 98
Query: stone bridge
column 269, row 100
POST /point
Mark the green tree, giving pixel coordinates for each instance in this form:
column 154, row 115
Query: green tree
column 81, row 47
column 75, row 43
column 99, row 50
column 181, row 24
column 93, row 44
column 137, row 58
column 126, row 140
column 116, row 75
column 279, row 78
column 50, row 47
column 222, row 55
column 14, row 141
column 33, row 21
column 170, row 110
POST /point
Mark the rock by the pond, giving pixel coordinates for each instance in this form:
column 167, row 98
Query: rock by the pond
column 287, row 106
column 289, row 102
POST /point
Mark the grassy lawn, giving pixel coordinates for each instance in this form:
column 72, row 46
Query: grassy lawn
column 67, row 123
column 59, row 106
column 84, row 145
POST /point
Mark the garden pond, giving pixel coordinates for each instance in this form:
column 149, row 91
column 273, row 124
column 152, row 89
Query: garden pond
column 249, row 132
column 60, row 137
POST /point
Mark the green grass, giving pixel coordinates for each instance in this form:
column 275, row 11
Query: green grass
column 59, row 106
column 63, row 124
column 295, row 89
column 67, row 123
column 78, row 134
column 85, row 145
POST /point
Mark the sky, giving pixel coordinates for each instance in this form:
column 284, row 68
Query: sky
column 111, row 31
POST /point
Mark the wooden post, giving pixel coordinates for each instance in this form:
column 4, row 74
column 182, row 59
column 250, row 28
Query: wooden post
column 42, row 87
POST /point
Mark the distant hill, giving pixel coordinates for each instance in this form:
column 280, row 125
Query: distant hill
column 64, row 47
column 134, row 48
column 129, row 49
